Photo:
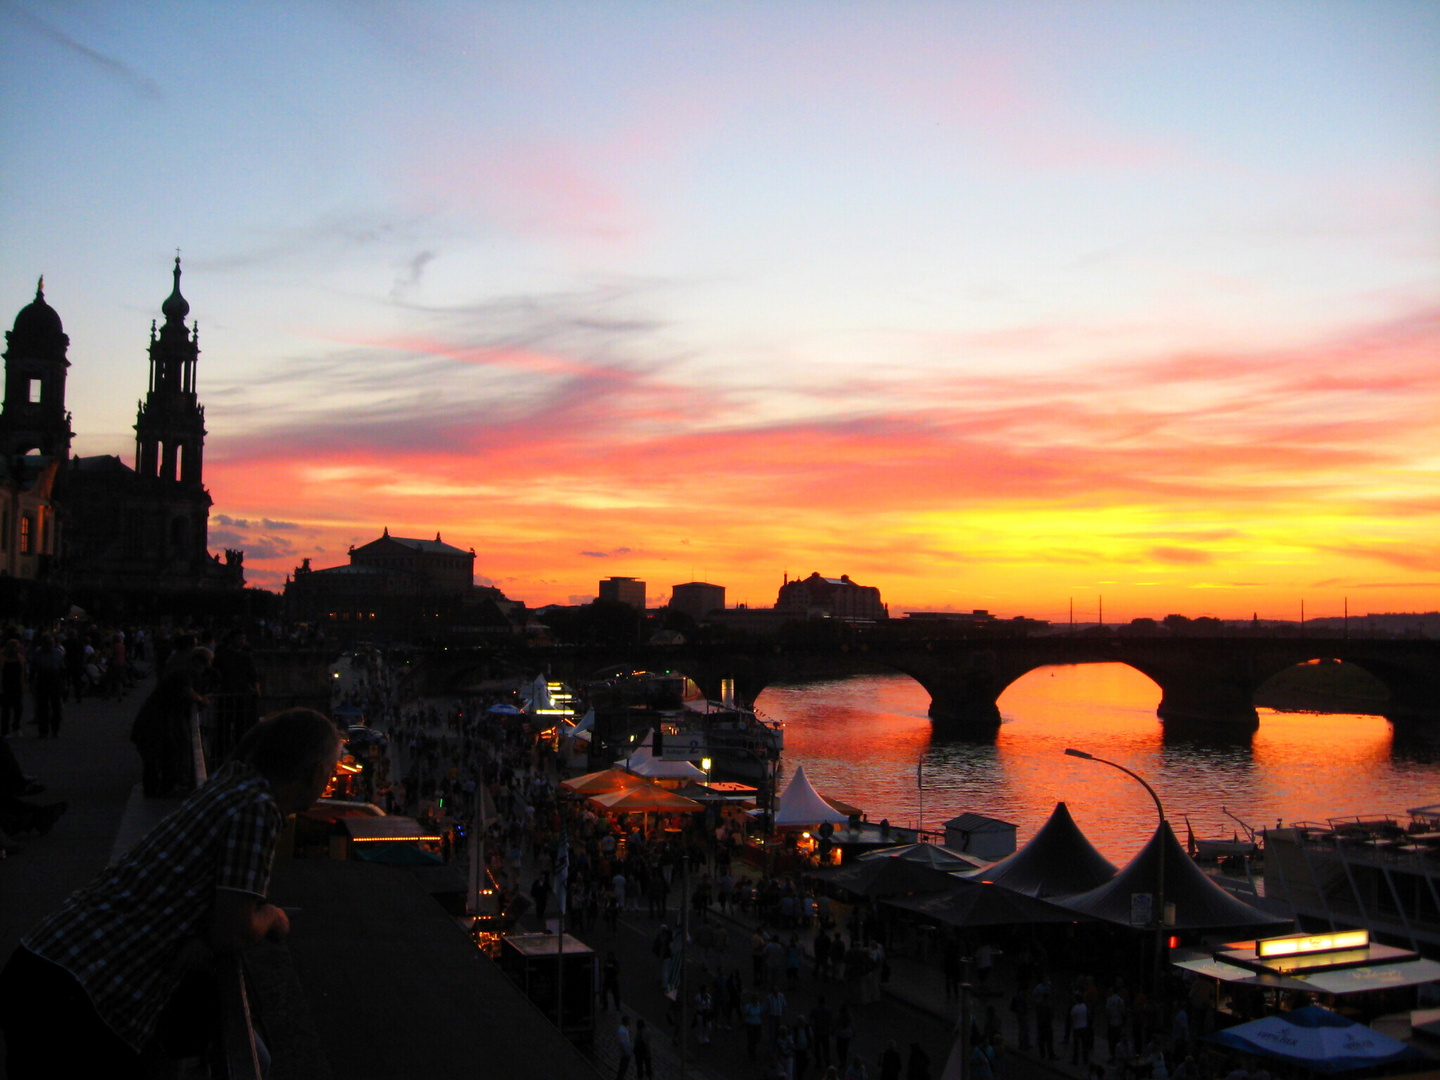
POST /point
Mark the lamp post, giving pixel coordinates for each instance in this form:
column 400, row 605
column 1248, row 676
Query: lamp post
column 1160, row 864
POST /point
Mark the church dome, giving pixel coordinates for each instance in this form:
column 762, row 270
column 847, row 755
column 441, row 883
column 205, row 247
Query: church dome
column 37, row 318
column 176, row 307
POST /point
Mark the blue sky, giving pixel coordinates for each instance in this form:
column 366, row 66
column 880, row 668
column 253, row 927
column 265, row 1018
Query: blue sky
column 988, row 304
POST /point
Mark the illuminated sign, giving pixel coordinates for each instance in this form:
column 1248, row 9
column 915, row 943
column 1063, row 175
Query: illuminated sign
column 1312, row 943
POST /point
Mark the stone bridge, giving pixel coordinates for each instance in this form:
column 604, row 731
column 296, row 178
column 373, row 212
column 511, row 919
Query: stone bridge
column 1203, row 680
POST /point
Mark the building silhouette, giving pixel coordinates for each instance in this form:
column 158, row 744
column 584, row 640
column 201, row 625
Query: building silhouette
column 94, row 525
column 697, row 599
column 34, row 439
column 835, row 598
column 627, row 590
column 401, row 588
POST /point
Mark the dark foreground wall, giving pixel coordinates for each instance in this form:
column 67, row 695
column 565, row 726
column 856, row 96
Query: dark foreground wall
column 396, row 989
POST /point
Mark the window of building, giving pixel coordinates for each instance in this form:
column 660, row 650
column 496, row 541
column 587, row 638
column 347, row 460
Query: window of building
column 26, row 535
column 36, row 387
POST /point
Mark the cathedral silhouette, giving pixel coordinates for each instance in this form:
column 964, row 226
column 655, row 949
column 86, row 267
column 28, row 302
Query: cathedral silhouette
column 93, row 527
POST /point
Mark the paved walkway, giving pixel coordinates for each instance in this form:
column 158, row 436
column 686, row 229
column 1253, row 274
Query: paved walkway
column 912, row 1009
column 93, row 767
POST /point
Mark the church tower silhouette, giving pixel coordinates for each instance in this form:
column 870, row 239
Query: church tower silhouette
column 170, row 423
column 144, row 532
column 33, row 419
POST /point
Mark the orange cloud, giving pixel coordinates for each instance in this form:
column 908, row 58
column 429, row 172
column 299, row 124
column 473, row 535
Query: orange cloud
column 1184, row 477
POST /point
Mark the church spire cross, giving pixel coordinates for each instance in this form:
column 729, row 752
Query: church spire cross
column 176, row 307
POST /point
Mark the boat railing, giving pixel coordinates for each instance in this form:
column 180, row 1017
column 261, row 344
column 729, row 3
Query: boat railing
column 1396, row 850
column 1365, row 825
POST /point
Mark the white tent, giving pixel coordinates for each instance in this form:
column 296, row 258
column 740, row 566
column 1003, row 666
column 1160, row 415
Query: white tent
column 643, row 762
column 800, row 805
column 538, row 694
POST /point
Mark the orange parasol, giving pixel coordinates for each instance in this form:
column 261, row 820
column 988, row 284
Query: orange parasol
column 645, row 799
column 597, row 783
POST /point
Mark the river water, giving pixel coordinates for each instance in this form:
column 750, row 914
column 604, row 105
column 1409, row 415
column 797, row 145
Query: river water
column 864, row 739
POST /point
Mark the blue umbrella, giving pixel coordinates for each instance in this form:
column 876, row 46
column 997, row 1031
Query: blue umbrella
column 1317, row 1039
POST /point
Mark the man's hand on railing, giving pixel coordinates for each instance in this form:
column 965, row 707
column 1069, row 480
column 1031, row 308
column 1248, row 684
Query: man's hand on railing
column 241, row 921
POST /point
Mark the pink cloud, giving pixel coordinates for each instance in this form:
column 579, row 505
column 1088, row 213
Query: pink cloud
column 1180, row 556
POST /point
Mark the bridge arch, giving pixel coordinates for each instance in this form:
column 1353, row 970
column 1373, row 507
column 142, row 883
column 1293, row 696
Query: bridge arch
column 1321, row 684
column 1116, row 682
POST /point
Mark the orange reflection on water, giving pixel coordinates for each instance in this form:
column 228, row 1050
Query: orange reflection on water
column 862, row 738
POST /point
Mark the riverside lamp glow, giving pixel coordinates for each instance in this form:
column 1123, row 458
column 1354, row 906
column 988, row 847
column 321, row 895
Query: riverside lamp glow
column 1159, row 912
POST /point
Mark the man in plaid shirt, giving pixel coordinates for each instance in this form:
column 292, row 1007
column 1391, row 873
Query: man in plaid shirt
column 85, row 990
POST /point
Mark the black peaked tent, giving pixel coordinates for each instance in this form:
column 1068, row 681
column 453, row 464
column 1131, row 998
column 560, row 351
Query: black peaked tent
column 873, row 878
column 1200, row 904
column 980, row 903
column 1058, row 861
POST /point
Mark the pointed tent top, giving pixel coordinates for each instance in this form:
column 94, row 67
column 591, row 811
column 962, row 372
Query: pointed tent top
column 437, row 537
column 1200, row 904
column 386, row 532
column 800, row 804
column 40, row 288
column 1059, row 860
column 176, row 307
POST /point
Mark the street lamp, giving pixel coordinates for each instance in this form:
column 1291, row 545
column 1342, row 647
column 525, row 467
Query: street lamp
column 1160, row 865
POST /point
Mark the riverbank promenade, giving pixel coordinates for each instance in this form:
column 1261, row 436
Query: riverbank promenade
column 377, row 981
column 912, row 1010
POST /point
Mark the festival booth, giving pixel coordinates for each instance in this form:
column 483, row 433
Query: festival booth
column 1191, row 905
column 384, row 835
column 800, row 826
column 647, row 798
column 575, row 740
column 876, row 879
column 726, row 792
column 837, row 832
column 1364, row 978
column 1198, row 903
column 652, row 803
column 597, row 783
column 643, row 762
column 979, row 903
column 1059, row 860
column 933, row 855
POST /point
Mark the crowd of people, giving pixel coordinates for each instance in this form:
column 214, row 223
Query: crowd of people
column 482, row 774
column 502, row 780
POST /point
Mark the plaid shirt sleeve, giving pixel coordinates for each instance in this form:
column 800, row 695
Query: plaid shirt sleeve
column 249, row 844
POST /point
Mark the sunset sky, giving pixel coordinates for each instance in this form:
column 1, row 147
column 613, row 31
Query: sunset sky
column 988, row 305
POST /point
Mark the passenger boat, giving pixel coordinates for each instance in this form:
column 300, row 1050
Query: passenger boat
column 740, row 743
column 1376, row 871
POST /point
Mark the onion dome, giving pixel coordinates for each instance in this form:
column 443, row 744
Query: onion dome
column 37, row 318
column 176, row 307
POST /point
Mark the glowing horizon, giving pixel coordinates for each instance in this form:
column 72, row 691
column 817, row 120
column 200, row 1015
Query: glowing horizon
column 988, row 306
